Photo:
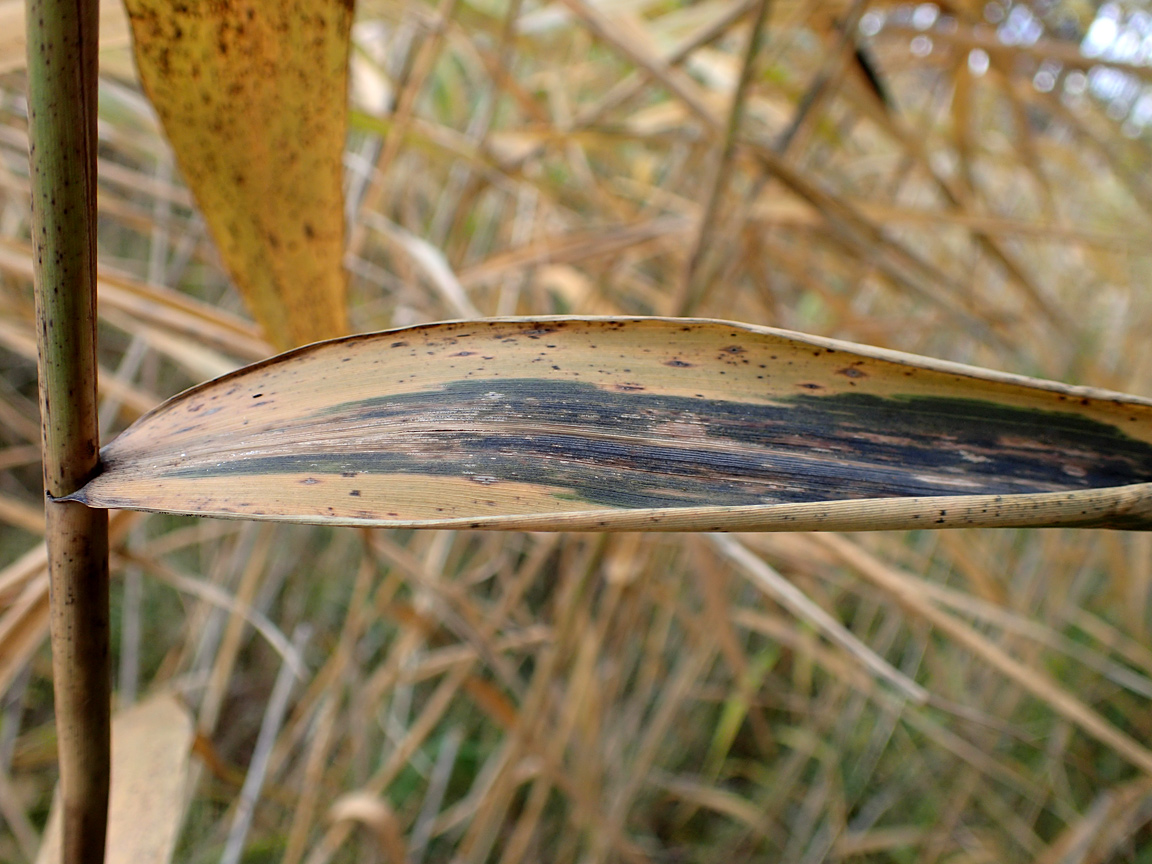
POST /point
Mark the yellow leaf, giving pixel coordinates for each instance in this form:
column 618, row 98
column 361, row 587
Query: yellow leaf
column 632, row 424
column 252, row 96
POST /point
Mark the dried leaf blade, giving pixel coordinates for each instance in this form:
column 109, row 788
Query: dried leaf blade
column 613, row 424
column 151, row 746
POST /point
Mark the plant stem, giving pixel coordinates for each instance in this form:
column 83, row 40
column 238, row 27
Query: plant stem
column 62, row 69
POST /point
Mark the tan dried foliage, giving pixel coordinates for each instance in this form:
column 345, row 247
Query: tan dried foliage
column 925, row 696
column 151, row 747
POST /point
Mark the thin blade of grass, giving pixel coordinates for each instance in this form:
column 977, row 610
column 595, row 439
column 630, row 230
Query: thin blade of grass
column 904, row 589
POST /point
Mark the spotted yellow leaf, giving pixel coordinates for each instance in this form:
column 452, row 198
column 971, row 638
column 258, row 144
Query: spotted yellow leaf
column 252, row 95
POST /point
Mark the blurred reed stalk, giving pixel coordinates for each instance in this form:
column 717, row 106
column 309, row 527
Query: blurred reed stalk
column 62, row 70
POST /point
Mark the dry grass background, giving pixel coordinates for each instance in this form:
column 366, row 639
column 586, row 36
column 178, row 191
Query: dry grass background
column 532, row 697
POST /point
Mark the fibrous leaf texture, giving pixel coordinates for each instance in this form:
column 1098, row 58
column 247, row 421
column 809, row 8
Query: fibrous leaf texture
column 633, row 424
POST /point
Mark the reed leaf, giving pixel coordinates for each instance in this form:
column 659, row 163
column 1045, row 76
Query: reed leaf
column 251, row 98
column 632, row 424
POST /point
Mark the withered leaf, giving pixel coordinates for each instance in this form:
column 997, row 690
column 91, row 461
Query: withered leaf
column 632, row 424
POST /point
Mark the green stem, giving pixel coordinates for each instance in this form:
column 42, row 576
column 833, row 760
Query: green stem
column 62, row 69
